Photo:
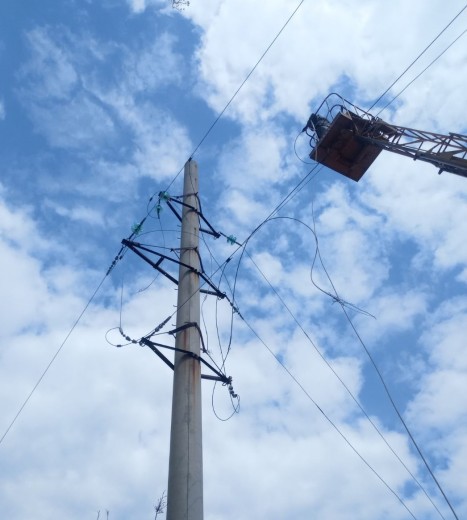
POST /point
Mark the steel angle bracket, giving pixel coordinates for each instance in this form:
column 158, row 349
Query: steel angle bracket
column 210, row 230
column 154, row 347
column 137, row 248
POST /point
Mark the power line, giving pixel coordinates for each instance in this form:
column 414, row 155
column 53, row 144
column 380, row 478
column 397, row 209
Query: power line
column 242, row 84
column 357, row 402
column 409, row 433
column 418, row 57
column 54, row 357
column 373, row 362
column 330, row 421
column 422, row 72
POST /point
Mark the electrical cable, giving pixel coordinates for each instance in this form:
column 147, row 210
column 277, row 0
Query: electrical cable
column 229, row 102
column 330, row 421
column 295, row 150
column 388, row 393
column 422, row 72
column 417, row 58
column 357, row 402
column 399, row 415
column 54, row 357
column 236, row 408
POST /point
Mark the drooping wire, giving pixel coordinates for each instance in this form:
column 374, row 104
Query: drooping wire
column 235, row 406
column 335, row 298
column 330, row 421
column 54, row 357
column 389, row 395
column 417, row 58
column 295, row 150
column 357, row 402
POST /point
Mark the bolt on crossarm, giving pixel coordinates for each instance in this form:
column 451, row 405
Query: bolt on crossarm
column 185, row 487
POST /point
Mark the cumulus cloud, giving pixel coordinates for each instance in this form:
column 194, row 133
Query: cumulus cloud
column 293, row 73
column 391, row 244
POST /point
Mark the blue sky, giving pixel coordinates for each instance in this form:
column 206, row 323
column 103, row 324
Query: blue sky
column 101, row 104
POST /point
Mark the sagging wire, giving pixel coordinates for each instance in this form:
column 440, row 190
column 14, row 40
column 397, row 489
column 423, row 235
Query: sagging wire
column 356, row 401
column 389, row 395
column 334, row 297
column 235, row 406
column 295, row 150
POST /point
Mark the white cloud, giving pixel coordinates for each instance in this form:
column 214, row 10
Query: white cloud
column 78, row 124
column 348, row 43
column 98, row 425
column 156, row 65
column 421, row 205
column 74, row 108
column 139, row 6
column 50, row 69
column 82, row 214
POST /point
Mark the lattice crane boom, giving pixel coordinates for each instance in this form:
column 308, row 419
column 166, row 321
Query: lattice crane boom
column 348, row 140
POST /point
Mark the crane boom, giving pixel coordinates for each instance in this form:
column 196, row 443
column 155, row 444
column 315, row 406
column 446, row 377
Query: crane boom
column 352, row 140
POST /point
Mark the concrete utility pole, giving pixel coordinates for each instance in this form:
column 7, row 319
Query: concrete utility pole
column 185, row 489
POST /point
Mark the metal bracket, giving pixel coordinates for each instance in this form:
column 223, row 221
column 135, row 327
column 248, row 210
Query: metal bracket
column 153, row 346
column 136, row 247
column 210, row 231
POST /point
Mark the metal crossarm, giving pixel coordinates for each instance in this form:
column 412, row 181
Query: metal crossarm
column 210, row 231
column 137, row 247
column 219, row 376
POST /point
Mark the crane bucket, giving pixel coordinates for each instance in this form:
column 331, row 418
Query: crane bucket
column 342, row 150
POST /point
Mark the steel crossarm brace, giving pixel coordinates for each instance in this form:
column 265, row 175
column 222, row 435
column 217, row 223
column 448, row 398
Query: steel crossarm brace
column 210, row 231
column 155, row 265
column 153, row 346
column 135, row 246
column 187, row 326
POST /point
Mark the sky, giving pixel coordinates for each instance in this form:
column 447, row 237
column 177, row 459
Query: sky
column 101, row 104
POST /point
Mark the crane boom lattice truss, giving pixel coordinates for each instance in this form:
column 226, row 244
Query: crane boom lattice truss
column 347, row 139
